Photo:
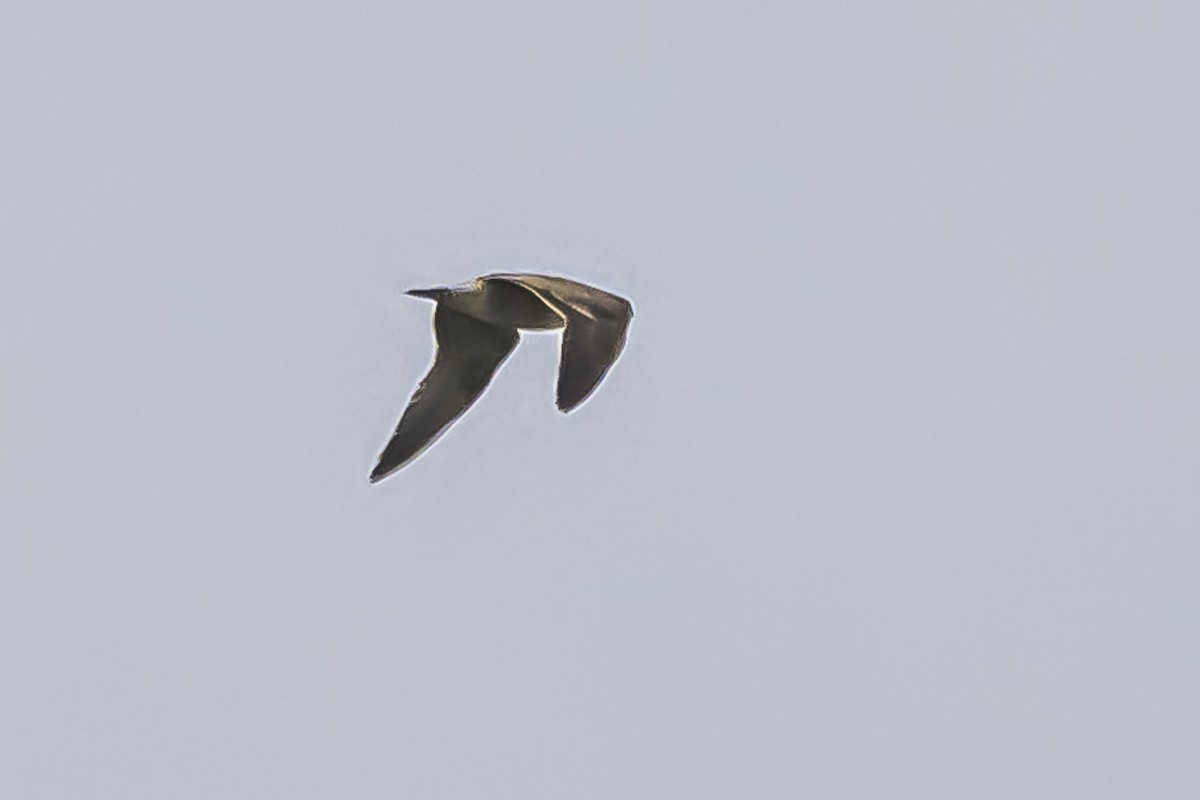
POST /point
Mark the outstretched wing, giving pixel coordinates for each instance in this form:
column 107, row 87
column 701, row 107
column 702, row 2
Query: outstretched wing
column 468, row 354
column 597, row 322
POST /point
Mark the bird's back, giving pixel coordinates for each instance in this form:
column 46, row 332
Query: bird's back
column 505, row 303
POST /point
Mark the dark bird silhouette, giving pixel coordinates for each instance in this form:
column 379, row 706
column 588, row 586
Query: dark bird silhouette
column 477, row 326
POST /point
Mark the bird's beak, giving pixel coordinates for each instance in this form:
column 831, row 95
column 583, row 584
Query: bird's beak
column 428, row 294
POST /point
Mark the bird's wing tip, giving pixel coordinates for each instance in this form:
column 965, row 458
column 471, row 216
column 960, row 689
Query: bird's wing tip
column 568, row 407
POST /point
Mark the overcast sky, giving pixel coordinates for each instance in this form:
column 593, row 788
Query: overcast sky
column 893, row 493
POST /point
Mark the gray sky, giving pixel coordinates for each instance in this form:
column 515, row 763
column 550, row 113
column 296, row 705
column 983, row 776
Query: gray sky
column 893, row 493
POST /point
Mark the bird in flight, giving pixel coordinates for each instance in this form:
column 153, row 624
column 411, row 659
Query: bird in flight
column 477, row 326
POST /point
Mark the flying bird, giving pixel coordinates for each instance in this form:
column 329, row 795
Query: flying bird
column 477, row 326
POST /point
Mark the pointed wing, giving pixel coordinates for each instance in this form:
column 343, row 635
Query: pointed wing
column 468, row 354
column 597, row 322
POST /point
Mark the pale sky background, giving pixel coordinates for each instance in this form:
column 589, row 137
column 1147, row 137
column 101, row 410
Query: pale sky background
column 895, row 492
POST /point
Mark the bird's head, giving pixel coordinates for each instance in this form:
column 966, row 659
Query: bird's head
column 429, row 294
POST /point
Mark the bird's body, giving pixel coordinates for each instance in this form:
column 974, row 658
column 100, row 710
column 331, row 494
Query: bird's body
column 477, row 326
column 498, row 301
